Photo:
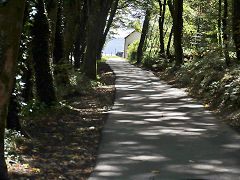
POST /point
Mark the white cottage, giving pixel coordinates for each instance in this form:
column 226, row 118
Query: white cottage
column 129, row 40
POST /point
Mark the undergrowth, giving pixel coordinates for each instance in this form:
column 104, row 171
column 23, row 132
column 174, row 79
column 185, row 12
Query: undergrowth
column 207, row 78
column 80, row 85
column 12, row 139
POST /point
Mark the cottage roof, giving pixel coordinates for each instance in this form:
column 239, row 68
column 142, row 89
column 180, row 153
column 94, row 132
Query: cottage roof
column 130, row 34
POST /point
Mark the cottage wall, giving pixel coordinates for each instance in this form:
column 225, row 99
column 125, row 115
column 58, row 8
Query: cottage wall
column 129, row 40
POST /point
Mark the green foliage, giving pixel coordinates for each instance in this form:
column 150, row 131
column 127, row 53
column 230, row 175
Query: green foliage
column 34, row 107
column 79, row 85
column 132, row 51
column 136, row 25
column 149, row 61
column 12, row 140
column 210, row 78
column 201, row 72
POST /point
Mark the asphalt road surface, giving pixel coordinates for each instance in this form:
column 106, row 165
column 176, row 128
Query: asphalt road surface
column 157, row 132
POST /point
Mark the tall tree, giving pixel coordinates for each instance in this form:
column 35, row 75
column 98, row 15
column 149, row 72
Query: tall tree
column 143, row 35
column 220, row 23
column 178, row 31
column 60, row 71
column 169, row 43
column 71, row 13
column 11, row 19
column 225, row 33
column 97, row 15
column 80, row 41
column 108, row 26
column 236, row 26
column 40, row 50
column 52, row 7
column 161, row 23
column 28, row 74
column 13, row 121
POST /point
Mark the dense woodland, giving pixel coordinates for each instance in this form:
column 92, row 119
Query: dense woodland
column 45, row 45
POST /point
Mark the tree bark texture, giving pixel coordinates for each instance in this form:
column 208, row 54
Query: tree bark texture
column 143, row 36
column 52, row 8
column 220, row 23
column 71, row 12
column 80, row 41
column 236, row 26
column 40, row 50
column 161, row 23
column 27, row 75
column 13, row 109
column 27, row 92
column 225, row 33
column 178, row 31
column 169, row 43
column 105, row 8
column 109, row 23
column 60, row 69
column 96, row 23
column 11, row 19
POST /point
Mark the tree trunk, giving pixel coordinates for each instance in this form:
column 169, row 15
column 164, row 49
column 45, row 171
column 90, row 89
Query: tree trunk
column 178, row 30
column 40, row 51
column 169, row 43
column 11, row 19
column 60, row 71
column 225, row 33
column 220, row 23
column 95, row 27
column 171, row 9
column 236, row 26
column 12, row 117
column 80, row 41
column 143, row 36
column 103, row 16
column 71, row 12
column 27, row 76
column 89, row 64
column 52, row 7
column 27, row 92
column 14, row 105
column 109, row 23
column 161, row 23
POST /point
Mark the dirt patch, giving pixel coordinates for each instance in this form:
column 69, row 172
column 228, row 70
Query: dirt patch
column 64, row 143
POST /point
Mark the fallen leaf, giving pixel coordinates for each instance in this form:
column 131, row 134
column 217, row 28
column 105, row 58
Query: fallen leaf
column 206, row 105
column 26, row 165
column 156, row 172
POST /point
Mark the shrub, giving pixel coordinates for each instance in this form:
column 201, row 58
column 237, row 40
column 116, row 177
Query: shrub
column 132, row 51
column 12, row 140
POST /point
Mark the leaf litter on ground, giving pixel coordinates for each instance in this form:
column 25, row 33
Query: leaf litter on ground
column 64, row 143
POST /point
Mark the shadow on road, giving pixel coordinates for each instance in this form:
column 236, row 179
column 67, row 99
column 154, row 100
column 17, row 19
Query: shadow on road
column 158, row 132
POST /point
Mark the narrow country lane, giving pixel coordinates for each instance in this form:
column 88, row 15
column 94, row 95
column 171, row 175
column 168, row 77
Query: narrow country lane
column 156, row 132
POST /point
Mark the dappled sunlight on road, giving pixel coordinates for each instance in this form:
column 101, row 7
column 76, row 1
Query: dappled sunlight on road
column 156, row 131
